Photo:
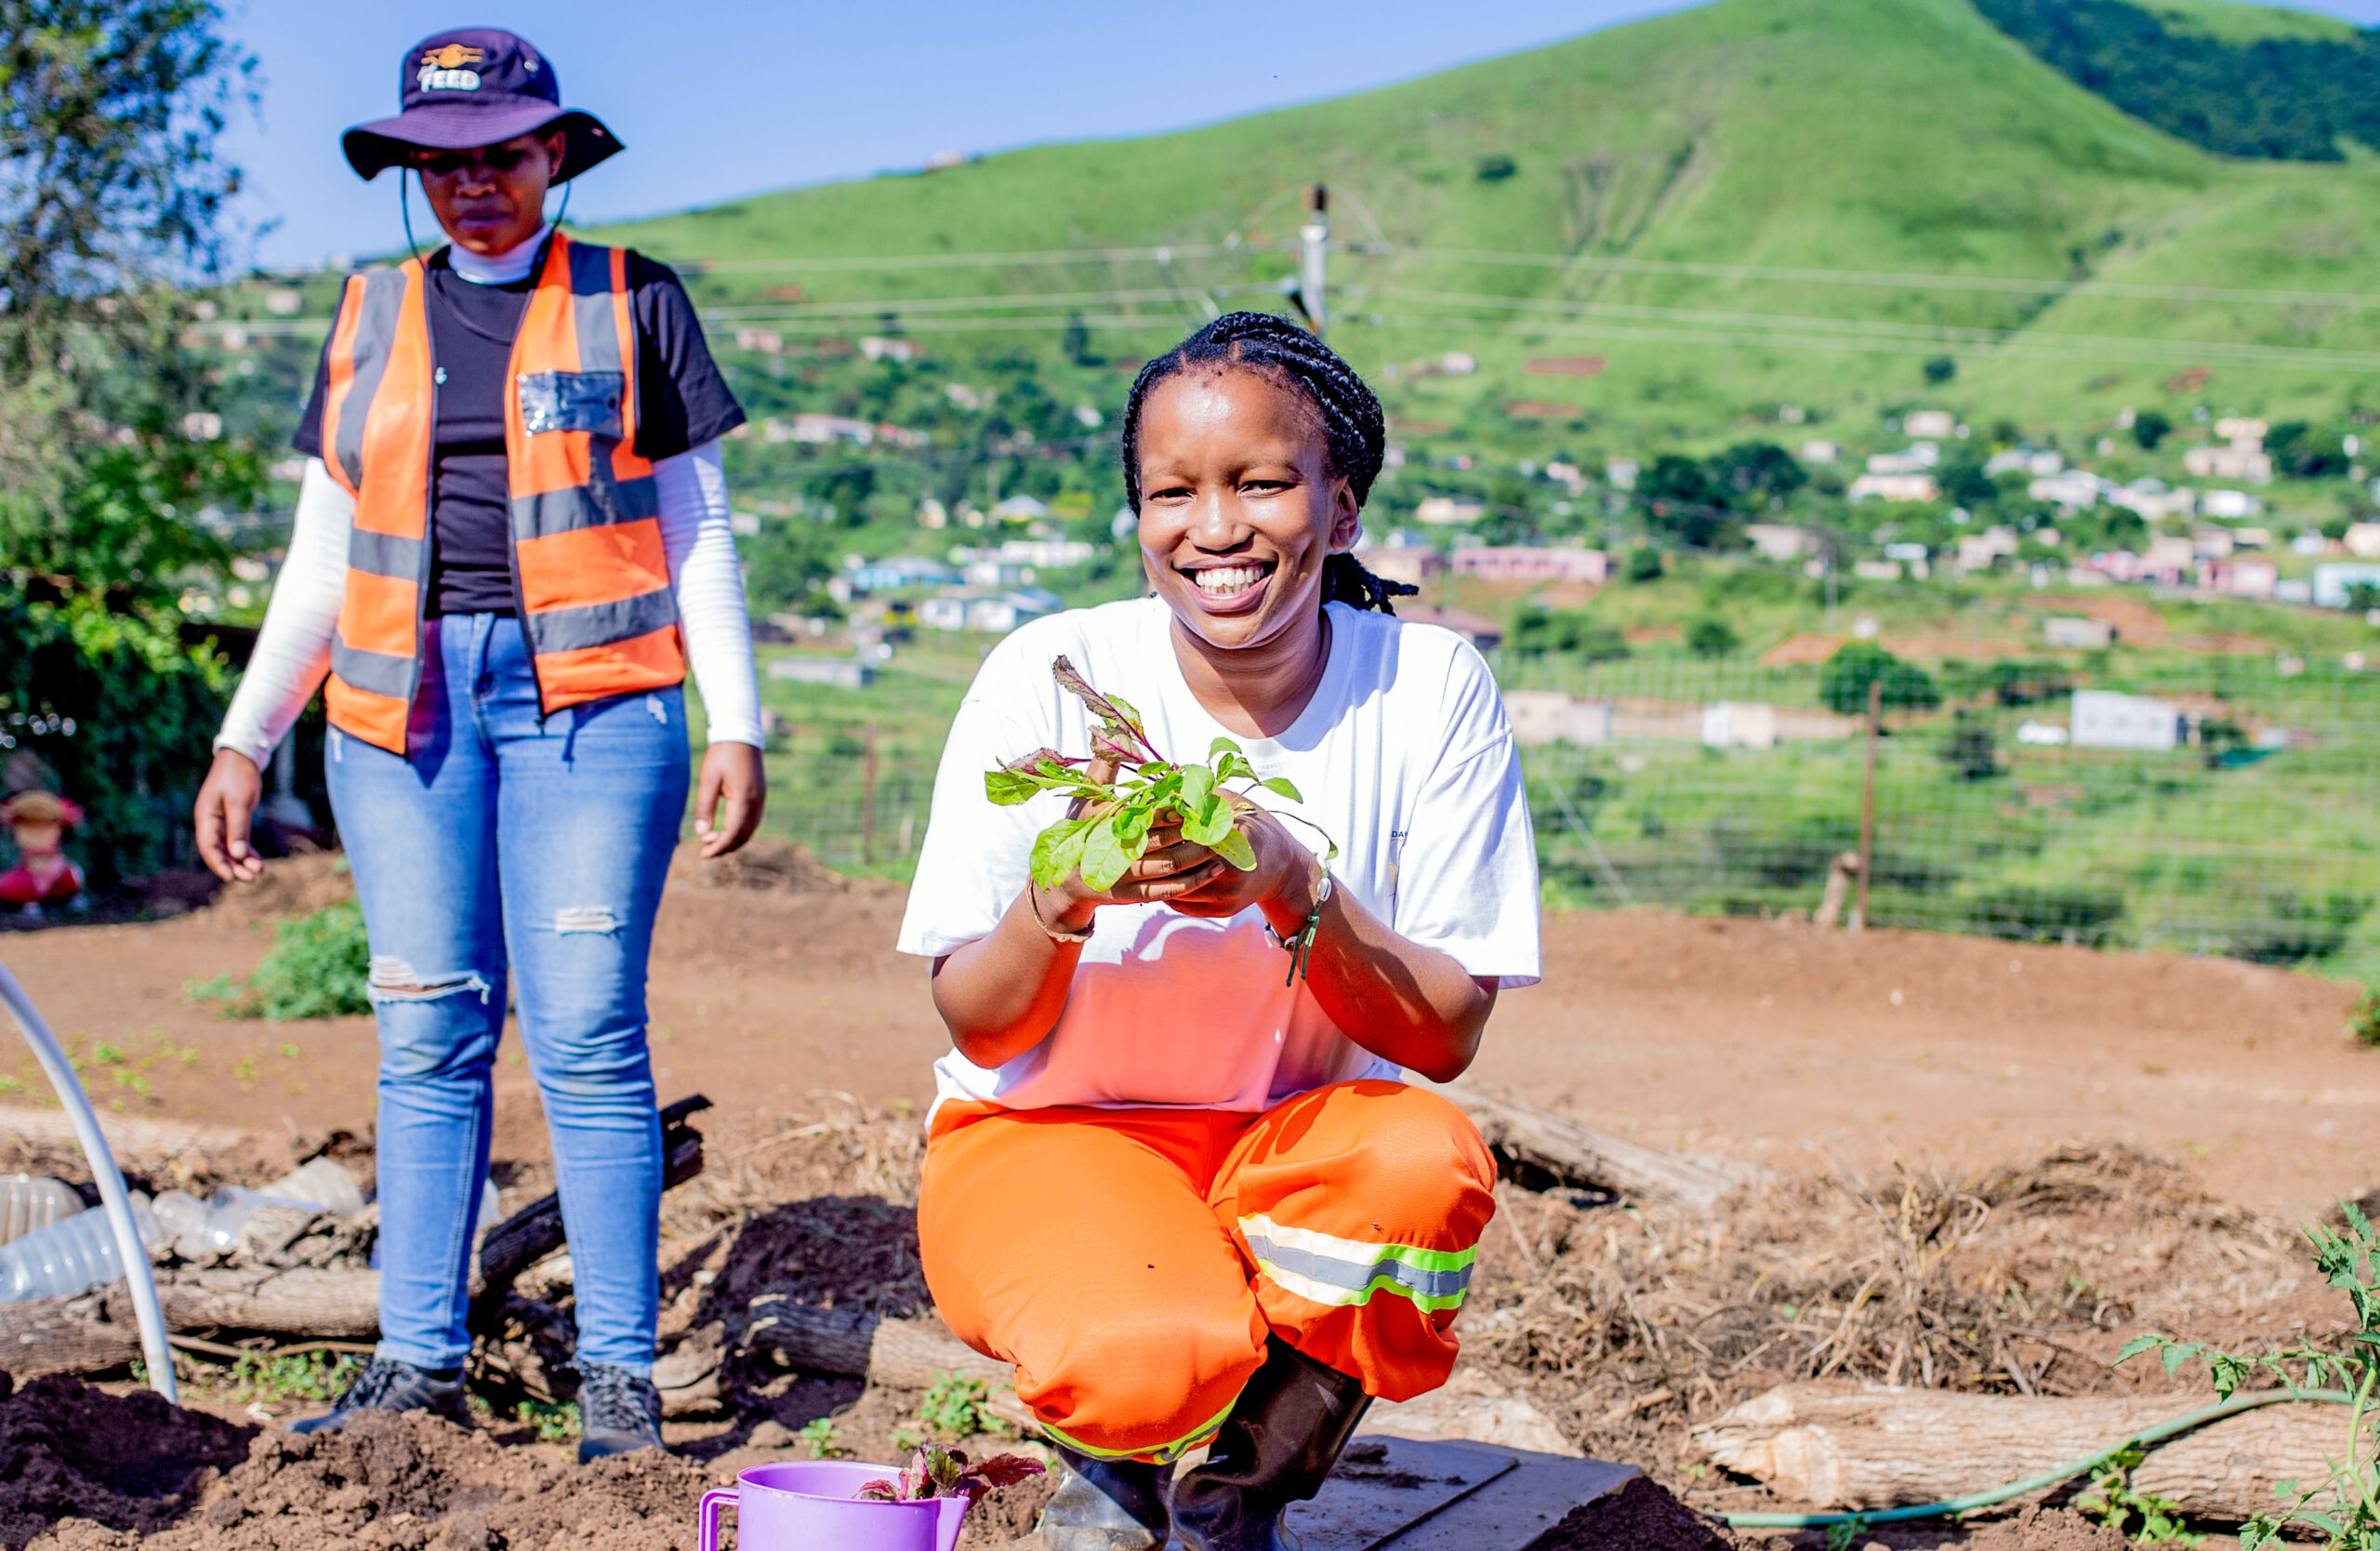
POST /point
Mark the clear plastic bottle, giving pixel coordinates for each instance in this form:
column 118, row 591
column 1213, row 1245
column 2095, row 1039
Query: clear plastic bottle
column 71, row 1256
column 29, row 1201
column 323, row 1183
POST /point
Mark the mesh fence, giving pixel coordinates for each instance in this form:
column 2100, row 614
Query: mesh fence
column 1725, row 787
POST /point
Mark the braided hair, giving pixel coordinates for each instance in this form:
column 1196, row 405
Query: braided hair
column 1353, row 427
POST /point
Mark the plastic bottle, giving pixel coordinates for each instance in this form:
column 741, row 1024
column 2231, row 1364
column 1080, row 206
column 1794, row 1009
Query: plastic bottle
column 29, row 1201
column 321, row 1183
column 71, row 1256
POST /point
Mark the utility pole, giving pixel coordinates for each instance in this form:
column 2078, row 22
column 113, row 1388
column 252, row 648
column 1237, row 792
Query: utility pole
column 1868, row 802
column 1314, row 259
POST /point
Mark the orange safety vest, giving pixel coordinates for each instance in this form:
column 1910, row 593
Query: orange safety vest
column 586, row 563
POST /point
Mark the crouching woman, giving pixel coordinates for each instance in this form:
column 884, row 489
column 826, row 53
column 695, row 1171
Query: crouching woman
column 1182, row 1186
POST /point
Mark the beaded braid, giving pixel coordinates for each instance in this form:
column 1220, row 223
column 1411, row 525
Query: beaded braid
column 1353, row 427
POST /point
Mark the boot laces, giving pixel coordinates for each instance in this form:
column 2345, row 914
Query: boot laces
column 614, row 1400
column 372, row 1385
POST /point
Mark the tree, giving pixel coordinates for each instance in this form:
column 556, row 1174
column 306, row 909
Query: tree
column 785, row 565
column 1843, row 683
column 1751, row 474
column 1970, row 751
column 2148, row 428
column 111, row 196
column 1572, row 631
column 1940, row 369
column 1712, row 637
column 1643, row 564
column 1682, row 502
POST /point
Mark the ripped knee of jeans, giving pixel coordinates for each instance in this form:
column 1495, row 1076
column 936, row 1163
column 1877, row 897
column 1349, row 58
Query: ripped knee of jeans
column 394, row 979
column 595, row 920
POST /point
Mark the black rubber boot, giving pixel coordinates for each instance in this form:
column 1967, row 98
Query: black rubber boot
column 618, row 1412
column 1275, row 1447
column 1103, row 1505
column 388, row 1385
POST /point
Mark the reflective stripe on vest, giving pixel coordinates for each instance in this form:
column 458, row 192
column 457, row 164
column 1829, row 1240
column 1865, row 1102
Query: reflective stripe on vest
column 586, row 557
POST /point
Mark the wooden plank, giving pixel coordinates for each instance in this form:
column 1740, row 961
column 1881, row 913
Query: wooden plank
column 1578, row 1153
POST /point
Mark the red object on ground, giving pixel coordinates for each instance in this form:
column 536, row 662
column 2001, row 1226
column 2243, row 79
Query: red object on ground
column 20, row 885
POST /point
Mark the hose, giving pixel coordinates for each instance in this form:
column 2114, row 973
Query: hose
column 112, row 1196
column 2051, row 1478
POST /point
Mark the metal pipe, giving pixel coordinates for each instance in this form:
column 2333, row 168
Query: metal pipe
column 113, row 1195
column 1314, row 260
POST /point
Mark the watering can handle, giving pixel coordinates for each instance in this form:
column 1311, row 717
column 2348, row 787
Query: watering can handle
column 707, row 1517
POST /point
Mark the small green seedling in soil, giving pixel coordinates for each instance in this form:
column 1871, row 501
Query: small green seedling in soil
column 552, row 1423
column 1844, row 1533
column 954, row 1407
column 819, row 1433
column 2115, row 1502
column 272, row 1376
column 2342, row 1507
column 935, row 1471
column 1106, row 834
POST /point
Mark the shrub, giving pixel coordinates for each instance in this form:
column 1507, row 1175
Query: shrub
column 1643, row 564
column 2295, row 929
column 1970, row 751
column 2363, row 1018
column 1572, row 631
column 1843, row 684
column 317, row 969
column 1712, row 637
column 2148, row 428
column 1940, row 369
column 2070, row 913
column 121, row 710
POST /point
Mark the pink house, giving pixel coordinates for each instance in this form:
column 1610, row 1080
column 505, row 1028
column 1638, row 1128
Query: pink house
column 1519, row 563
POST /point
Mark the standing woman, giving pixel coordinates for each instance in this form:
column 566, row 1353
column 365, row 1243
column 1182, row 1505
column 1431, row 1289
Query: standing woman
column 1175, row 1173
column 511, row 542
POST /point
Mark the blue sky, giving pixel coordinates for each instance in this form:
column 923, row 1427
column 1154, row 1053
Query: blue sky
column 719, row 98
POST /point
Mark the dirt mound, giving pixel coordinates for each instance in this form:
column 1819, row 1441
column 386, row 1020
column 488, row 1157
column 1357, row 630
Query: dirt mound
column 412, row 1482
column 121, row 1463
column 2047, row 1529
column 766, row 863
column 1639, row 1516
column 292, row 886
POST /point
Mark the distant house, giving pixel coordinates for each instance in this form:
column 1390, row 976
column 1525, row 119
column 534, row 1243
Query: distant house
column 1532, row 564
column 2243, row 458
column 1543, row 716
column 2362, row 541
column 2169, row 556
column 2331, row 581
column 1820, row 451
column 1409, row 563
column 1778, row 541
column 1738, row 724
column 2227, row 503
column 2078, row 635
column 1020, row 508
column 896, row 572
column 837, row 672
column 1052, row 554
column 2104, row 719
column 2247, row 579
column 1441, row 510
column 1483, row 633
column 1978, row 550
column 1897, row 488
column 1876, row 570
column 988, row 609
column 876, row 348
column 1916, row 460
column 1938, row 424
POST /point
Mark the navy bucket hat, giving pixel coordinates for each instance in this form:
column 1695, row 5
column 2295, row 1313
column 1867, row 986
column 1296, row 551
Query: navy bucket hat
column 474, row 86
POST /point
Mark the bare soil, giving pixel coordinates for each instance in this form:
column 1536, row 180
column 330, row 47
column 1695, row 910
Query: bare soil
column 1987, row 1166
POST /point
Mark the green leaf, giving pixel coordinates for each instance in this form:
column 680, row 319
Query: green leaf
column 1057, row 851
column 1008, row 787
column 2178, row 1353
column 1104, row 857
column 1198, row 785
column 1279, row 786
column 2138, row 1345
column 1235, row 849
column 1132, row 826
column 1221, row 746
column 1210, row 822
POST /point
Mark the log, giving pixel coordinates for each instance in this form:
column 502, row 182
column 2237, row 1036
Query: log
column 65, row 1335
column 898, row 1354
column 1577, row 1153
column 302, row 1300
column 1839, row 1444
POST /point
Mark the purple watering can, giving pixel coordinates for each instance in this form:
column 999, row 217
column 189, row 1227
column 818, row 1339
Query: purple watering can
column 814, row 1505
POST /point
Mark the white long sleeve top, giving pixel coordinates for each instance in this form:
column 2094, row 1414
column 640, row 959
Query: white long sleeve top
column 293, row 651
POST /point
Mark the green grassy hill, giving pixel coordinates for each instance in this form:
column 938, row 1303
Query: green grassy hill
column 1592, row 198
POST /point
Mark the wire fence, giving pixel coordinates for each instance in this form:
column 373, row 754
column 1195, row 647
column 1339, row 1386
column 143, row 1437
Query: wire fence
column 1728, row 787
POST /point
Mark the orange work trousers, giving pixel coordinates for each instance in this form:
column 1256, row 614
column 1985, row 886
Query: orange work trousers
column 1132, row 1262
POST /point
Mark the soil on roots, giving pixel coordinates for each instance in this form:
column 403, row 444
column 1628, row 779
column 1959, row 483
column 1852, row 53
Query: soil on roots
column 1639, row 1516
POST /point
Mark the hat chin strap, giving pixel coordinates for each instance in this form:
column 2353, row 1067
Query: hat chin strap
column 405, row 211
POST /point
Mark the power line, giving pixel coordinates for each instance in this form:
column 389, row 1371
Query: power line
column 978, row 260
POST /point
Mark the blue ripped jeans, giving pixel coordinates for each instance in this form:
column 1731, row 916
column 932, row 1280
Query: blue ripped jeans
column 499, row 843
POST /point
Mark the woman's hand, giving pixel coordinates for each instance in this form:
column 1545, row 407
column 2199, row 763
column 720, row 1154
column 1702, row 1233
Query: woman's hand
column 728, row 798
column 1284, row 880
column 227, row 800
column 1168, row 867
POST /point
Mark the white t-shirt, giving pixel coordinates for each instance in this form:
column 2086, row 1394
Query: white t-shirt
column 1403, row 756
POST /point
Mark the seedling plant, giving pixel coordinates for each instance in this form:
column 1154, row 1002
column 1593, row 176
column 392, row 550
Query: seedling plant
column 1109, row 821
column 935, row 1471
column 2344, row 1506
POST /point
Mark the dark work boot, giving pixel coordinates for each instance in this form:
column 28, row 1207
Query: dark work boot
column 1103, row 1505
column 388, row 1385
column 617, row 1411
column 1275, row 1447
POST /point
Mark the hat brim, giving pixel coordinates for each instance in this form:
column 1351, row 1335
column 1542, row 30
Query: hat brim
column 372, row 148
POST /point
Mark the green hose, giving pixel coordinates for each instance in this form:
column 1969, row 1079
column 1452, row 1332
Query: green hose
column 2071, row 1469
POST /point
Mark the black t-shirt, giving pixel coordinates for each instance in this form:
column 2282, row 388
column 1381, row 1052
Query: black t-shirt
column 681, row 401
